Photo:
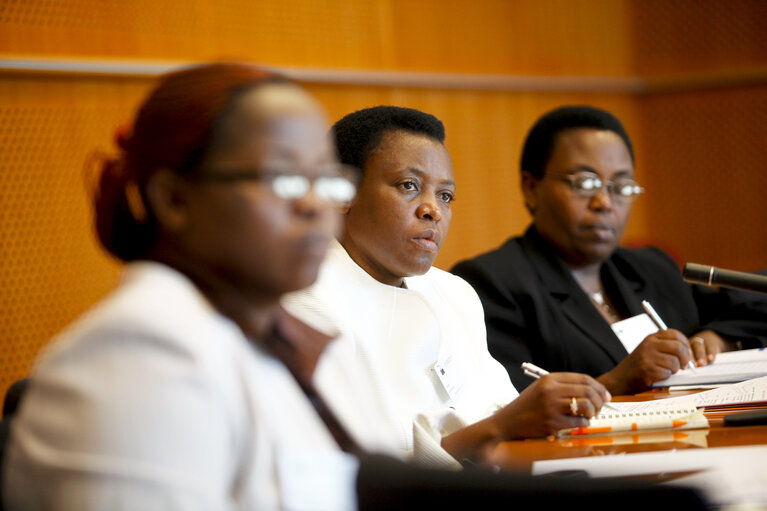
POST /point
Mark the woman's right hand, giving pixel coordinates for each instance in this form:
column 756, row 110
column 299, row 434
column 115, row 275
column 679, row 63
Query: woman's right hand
column 656, row 358
column 544, row 407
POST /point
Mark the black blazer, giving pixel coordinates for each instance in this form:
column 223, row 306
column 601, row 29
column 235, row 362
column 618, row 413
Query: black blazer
column 536, row 312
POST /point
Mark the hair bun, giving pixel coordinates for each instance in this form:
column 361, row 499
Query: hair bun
column 123, row 135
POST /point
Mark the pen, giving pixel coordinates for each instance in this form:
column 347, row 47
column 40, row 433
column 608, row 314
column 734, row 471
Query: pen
column 661, row 325
column 533, row 370
column 536, row 372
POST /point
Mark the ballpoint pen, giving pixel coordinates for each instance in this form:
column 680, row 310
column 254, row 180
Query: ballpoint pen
column 661, row 325
column 536, row 372
column 533, row 370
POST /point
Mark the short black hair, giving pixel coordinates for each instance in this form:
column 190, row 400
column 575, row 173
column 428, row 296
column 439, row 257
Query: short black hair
column 540, row 140
column 358, row 134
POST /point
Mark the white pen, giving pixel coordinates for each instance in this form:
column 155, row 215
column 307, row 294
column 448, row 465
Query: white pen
column 661, row 325
column 536, row 372
column 533, row 370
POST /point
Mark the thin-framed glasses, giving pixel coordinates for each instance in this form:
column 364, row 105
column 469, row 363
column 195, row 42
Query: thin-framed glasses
column 333, row 183
column 588, row 184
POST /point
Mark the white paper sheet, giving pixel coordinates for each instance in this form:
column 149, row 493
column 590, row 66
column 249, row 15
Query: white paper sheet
column 732, row 366
column 633, row 331
column 749, row 391
column 746, row 481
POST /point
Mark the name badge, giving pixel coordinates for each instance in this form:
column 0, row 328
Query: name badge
column 450, row 374
column 632, row 331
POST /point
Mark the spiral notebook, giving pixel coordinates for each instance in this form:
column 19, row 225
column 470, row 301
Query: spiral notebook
column 647, row 416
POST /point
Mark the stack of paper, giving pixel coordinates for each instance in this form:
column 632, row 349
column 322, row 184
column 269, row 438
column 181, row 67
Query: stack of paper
column 749, row 392
column 728, row 367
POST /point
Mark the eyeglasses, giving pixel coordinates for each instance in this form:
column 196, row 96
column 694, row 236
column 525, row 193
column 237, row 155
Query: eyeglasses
column 588, row 184
column 334, row 183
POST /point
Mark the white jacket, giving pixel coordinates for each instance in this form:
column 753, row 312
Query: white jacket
column 155, row 401
column 400, row 339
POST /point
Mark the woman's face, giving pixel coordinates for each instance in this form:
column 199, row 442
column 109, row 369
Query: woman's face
column 399, row 220
column 240, row 229
column 585, row 230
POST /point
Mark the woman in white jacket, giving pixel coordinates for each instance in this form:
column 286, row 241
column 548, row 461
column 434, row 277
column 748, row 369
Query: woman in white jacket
column 164, row 395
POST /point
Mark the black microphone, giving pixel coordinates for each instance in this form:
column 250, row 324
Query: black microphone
column 711, row 276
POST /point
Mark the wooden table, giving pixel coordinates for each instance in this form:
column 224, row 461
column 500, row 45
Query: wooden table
column 518, row 456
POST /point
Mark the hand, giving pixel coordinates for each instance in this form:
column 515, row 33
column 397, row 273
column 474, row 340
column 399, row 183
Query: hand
column 544, row 407
column 659, row 356
column 707, row 344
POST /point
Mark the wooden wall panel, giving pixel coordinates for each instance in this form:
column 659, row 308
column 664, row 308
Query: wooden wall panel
column 705, row 159
column 555, row 37
column 332, row 33
column 51, row 268
column 486, row 36
column 672, row 37
column 705, row 146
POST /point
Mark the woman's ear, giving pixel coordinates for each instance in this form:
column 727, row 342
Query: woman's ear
column 167, row 195
column 529, row 184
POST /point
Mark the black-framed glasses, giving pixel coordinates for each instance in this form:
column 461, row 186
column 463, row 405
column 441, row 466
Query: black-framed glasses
column 588, row 184
column 332, row 182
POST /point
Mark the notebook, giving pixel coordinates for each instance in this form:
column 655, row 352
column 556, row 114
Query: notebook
column 728, row 367
column 642, row 416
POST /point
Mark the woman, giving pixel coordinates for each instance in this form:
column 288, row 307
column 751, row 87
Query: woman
column 417, row 332
column 558, row 295
column 166, row 394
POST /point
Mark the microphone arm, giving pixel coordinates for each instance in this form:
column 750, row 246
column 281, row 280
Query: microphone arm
column 712, row 276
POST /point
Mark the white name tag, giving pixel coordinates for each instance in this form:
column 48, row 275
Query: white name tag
column 450, row 374
column 632, row 331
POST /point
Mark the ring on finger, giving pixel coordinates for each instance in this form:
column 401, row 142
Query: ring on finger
column 573, row 406
column 698, row 339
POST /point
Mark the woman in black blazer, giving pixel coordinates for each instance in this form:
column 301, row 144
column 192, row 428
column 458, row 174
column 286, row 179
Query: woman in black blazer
column 552, row 295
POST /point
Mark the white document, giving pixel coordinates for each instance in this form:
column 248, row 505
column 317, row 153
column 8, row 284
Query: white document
column 746, row 481
column 749, row 391
column 657, row 405
column 633, row 331
column 728, row 367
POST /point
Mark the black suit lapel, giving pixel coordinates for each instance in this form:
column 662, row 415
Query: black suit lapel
column 626, row 287
column 575, row 304
column 582, row 315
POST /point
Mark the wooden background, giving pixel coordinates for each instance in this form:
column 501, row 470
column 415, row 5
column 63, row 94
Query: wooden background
column 687, row 77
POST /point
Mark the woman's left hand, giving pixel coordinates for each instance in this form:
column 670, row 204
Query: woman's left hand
column 706, row 345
